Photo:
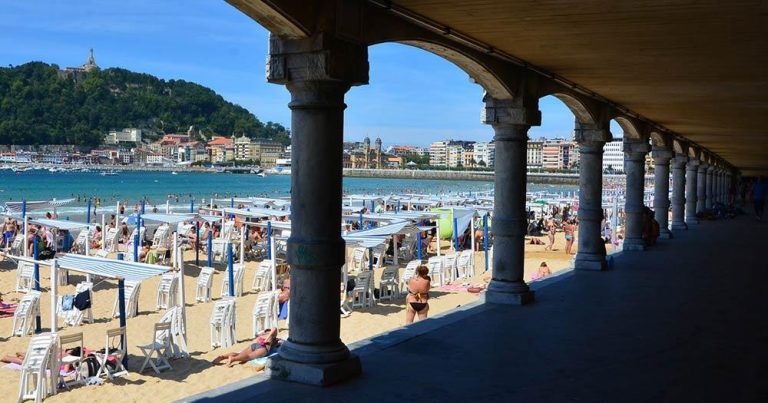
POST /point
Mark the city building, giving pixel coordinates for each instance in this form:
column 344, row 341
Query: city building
column 557, row 154
column 534, row 155
column 221, row 149
column 485, row 154
column 613, row 156
column 438, row 153
column 128, row 135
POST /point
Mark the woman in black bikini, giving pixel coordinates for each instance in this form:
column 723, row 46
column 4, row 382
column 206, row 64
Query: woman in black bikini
column 417, row 300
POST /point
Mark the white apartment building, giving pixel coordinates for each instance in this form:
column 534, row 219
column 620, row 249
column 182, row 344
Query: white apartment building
column 486, row 153
column 535, row 153
column 613, row 156
column 123, row 136
column 438, row 153
column 455, row 155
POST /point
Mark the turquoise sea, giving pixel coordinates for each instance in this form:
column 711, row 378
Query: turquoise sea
column 157, row 187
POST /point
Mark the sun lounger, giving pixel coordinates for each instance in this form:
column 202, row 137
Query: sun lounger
column 265, row 311
column 25, row 276
column 222, row 323
column 40, row 369
column 132, row 289
column 26, row 312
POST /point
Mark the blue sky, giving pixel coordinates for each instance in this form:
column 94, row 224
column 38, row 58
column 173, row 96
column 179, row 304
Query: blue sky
column 413, row 97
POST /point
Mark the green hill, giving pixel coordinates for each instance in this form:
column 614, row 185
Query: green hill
column 38, row 105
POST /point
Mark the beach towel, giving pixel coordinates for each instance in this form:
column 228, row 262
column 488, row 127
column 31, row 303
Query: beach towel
column 66, row 302
column 82, row 300
column 7, row 310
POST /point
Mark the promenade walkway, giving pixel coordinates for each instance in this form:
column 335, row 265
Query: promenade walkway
column 684, row 321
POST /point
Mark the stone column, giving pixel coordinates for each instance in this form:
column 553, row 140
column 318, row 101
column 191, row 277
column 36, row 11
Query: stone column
column 701, row 187
column 710, row 187
column 678, row 192
column 634, row 166
column 661, row 158
column 510, row 125
column 317, row 71
column 692, row 192
column 591, row 250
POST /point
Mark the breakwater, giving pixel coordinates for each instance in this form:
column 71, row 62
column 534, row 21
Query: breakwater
column 542, row 178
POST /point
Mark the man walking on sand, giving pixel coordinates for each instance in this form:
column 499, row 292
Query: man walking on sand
column 759, row 189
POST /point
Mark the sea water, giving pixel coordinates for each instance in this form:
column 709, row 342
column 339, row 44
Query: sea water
column 158, row 187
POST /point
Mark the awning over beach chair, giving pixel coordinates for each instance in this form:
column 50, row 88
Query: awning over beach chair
column 364, row 241
column 403, row 227
column 115, row 269
column 16, row 207
column 172, row 219
column 61, row 224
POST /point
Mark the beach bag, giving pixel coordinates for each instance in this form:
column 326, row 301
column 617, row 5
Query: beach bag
column 88, row 367
column 82, row 301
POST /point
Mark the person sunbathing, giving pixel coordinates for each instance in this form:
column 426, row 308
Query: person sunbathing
column 263, row 345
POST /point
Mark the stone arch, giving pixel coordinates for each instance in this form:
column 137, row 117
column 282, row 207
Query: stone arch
column 661, row 140
column 282, row 23
column 680, row 147
column 631, row 131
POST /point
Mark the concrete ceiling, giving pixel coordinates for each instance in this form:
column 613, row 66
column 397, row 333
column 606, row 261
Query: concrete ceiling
column 698, row 67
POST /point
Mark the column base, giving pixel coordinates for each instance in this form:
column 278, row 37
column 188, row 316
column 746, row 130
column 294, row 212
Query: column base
column 590, row 262
column 679, row 226
column 633, row 244
column 665, row 234
column 315, row 374
column 508, row 293
column 691, row 221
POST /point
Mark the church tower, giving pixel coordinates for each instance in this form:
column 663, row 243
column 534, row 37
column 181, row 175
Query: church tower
column 367, row 151
column 378, row 153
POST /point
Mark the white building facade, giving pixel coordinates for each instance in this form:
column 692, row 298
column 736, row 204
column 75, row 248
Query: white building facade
column 613, row 156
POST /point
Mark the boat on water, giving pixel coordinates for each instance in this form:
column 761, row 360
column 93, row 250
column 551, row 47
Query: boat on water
column 108, row 173
column 261, row 174
column 174, row 173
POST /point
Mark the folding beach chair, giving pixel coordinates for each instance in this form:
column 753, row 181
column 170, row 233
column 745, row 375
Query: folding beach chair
column 24, row 316
column 166, row 290
column 465, row 264
column 389, row 286
column 222, row 323
column 262, row 281
column 362, row 294
column 264, row 312
column 74, row 316
column 40, row 369
column 112, row 241
column 25, row 276
column 159, row 347
column 68, row 342
column 410, row 270
column 112, row 348
column 435, row 265
column 204, row 284
column 239, row 274
column 132, row 289
column 82, row 238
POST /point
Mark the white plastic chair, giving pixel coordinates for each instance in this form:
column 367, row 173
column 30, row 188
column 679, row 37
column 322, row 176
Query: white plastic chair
column 264, row 312
column 262, row 281
column 435, row 265
column 24, row 316
column 358, row 259
column 74, row 316
column 204, row 285
column 112, row 347
column 449, row 267
column 465, row 264
column 362, row 294
column 159, row 347
column 239, row 274
column 222, row 323
column 166, row 290
column 17, row 246
column 389, row 286
column 40, row 369
column 132, row 290
column 25, row 276
column 112, row 241
column 73, row 340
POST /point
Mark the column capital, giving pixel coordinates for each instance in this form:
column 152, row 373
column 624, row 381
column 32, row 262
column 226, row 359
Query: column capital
column 320, row 57
column 680, row 160
column 592, row 133
column 636, row 147
column 508, row 112
column 662, row 155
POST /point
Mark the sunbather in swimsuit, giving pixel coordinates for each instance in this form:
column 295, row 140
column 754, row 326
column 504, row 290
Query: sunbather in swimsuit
column 418, row 295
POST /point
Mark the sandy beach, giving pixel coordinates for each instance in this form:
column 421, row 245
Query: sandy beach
column 196, row 374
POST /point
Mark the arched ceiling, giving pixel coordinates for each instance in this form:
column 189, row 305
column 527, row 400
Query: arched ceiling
column 699, row 68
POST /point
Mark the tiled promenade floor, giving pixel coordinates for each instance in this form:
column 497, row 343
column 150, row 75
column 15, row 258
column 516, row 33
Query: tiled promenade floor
column 684, row 321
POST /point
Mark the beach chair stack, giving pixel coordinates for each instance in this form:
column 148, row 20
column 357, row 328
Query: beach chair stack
column 223, row 323
column 435, row 265
column 74, row 316
column 166, row 290
column 132, row 289
column 362, row 294
column 358, row 259
column 40, row 369
column 219, row 251
column 204, row 285
column 178, row 347
column 465, row 264
column 449, row 267
column 410, row 270
column 389, row 286
column 25, row 276
column 24, row 316
column 17, row 246
column 159, row 347
column 262, row 281
column 265, row 311
column 239, row 274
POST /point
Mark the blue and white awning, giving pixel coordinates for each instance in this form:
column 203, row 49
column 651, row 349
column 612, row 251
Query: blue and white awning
column 364, row 241
column 61, row 224
column 16, row 207
column 110, row 268
column 403, row 227
column 173, row 219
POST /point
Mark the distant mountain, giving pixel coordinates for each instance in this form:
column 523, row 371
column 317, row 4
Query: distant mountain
column 40, row 104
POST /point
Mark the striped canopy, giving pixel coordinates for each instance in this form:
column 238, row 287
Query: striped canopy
column 37, row 205
column 364, row 241
column 403, row 227
column 173, row 219
column 60, row 224
column 110, row 268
